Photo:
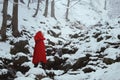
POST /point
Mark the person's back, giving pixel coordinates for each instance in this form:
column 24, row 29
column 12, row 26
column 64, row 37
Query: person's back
column 39, row 55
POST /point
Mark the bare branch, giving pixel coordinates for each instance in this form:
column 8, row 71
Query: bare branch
column 75, row 4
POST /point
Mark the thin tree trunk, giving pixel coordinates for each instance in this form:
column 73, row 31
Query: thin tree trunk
column 53, row 9
column 37, row 9
column 15, row 31
column 28, row 5
column 46, row 8
column 4, row 23
column 67, row 10
column 105, row 5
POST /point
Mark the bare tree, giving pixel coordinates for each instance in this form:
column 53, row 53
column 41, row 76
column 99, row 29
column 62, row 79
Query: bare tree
column 46, row 8
column 53, row 9
column 70, row 6
column 37, row 8
column 67, row 10
column 4, row 23
column 15, row 31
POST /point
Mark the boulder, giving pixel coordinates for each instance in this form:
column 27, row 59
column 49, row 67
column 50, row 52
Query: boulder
column 81, row 62
column 19, row 47
column 108, row 61
column 88, row 70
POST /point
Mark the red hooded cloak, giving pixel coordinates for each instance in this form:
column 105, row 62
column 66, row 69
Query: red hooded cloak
column 39, row 54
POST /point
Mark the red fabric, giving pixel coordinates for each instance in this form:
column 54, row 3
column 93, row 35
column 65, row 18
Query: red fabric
column 39, row 54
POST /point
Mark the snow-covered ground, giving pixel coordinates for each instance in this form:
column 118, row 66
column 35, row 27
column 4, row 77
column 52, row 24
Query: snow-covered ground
column 88, row 14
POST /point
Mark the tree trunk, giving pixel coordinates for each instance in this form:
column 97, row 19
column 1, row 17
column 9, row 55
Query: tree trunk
column 67, row 10
column 28, row 5
column 53, row 9
column 37, row 9
column 105, row 5
column 4, row 23
column 46, row 8
column 15, row 31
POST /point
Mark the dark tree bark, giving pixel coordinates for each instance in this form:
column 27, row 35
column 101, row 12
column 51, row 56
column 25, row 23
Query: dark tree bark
column 15, row 31
column 46, row 8
column 37, row 9
column 4, row 23
column 53, row 9
column 28, row 5
column 67, row 10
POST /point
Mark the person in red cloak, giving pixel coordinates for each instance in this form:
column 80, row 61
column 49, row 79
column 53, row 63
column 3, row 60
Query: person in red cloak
column 39, row 55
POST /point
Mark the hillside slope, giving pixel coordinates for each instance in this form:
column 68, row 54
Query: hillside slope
column 85, row 48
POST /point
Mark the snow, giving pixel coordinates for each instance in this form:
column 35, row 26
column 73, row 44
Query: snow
column 28, row 64
column 24, row 78
column 89, row 13
column 3, row 71
column 113, row 11
column 111, row 73
column 57, row 72
column 112, row 53
column 4, row 50
column 46, row 79
column 36, row 71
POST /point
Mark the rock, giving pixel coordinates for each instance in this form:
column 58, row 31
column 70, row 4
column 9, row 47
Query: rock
column 66, row 67
column 88, row 70
column 23, row 69
column 49, row 64
column 7, row 74
column 50, row 51
column 74, row 36
column 96, row 35
column 108, row 37
column 65, row 50
column 118, row 36
column 39, row 77
column 51, row 74
column 117, row 59
column 108, row 61
column 55, row 64
column 50, row 42
column 102, row 49
column 81, row 62
column 52, row 33
column 18, row 60
column 17, row 63
column 99, row 39
column 69, row 51
column 19, row 47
